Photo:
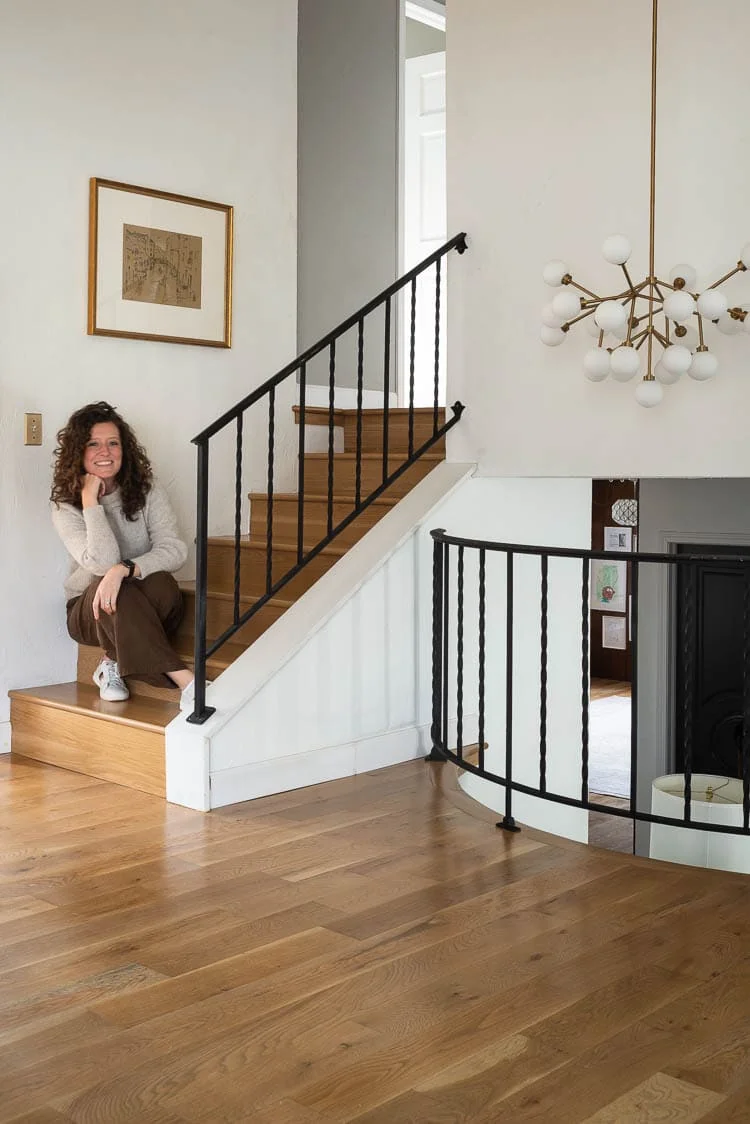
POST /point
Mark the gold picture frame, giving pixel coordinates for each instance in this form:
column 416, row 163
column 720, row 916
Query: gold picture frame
column 160, row 265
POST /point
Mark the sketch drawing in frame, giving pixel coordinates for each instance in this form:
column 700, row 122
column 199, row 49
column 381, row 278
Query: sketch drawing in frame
column 160, row 265
column 608, row 585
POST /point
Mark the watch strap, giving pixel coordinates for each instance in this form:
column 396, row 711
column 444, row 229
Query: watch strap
column 130, row 565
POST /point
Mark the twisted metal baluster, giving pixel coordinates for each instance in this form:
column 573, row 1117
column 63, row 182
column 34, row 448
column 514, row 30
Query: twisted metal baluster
column 687, row 697
column 360, row 379
column 301, row 463
column 237, row 519
column 543, row 678
column 585, row 682
column 269, row 516
column 331, row 400
column 746, row 699
column 460, row 656
column 482, row 612
column 412, row 353
column 437, row 349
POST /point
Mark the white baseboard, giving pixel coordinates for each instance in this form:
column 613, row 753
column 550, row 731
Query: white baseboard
column 263, row 778
column 4, row 737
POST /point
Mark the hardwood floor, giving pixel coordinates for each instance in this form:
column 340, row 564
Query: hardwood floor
column 368, row 950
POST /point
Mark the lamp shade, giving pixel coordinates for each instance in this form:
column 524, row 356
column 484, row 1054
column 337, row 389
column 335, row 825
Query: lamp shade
column 566, row 304
column 625, row 363
column 553, row 273
column 685, row 274
column 648, row 393
column 712, row 304
column 616, row 249
column 552, row 337
column 728, row 326
column 610, row 315
column 596, row 364
column 704, row 366
column 679, row 306
column 714, row 800
column 677, row 359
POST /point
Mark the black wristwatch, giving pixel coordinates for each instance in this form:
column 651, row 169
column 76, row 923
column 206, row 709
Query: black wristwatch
column 130, row 565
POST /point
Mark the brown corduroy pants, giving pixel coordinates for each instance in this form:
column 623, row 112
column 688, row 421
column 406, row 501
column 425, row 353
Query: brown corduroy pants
column 137, row 634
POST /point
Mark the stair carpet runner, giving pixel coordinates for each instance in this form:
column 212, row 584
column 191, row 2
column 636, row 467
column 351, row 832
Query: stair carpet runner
column 68, row 725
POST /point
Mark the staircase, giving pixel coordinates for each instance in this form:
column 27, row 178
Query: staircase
column 68, row 725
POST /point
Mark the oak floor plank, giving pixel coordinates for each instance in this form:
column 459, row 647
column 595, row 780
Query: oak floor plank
column 373, row 950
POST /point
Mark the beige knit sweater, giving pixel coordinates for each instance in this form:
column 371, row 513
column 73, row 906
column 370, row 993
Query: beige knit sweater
column 99, row 537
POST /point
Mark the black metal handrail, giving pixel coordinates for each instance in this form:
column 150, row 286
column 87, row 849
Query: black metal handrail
column 363, row 497
column 448, row 688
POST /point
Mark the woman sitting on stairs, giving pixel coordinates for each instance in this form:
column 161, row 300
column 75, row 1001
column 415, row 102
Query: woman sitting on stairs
column 121, row 533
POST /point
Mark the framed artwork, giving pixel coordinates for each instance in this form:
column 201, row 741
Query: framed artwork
column 160, row 266
column 618, row 538
column 608, row 585
column 614, row 633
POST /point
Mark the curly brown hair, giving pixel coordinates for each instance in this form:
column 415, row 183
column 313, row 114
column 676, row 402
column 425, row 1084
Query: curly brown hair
column 135, row 476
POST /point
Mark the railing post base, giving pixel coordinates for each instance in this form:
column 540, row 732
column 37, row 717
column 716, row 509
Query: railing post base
column 435, row 755
column 197, row 718
column 508, row 824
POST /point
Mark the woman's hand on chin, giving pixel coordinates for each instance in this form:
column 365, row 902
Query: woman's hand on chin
column 91, row 488
column 105, row 598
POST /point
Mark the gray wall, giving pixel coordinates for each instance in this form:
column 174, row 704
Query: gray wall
column 714, row 512
column 348, row 160
column 421, row 39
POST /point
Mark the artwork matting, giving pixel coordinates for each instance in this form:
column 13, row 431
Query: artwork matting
column 608, row 585
column 160, row 265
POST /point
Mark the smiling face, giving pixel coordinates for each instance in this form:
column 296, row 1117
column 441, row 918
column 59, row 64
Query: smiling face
column 102, row 456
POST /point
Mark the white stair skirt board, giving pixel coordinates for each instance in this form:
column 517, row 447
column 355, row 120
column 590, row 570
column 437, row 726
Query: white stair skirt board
column 4, row 737
column 277, row 703
column 546, row 815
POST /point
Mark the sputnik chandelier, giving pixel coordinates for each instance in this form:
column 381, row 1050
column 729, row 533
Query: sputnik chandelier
column 651, row 312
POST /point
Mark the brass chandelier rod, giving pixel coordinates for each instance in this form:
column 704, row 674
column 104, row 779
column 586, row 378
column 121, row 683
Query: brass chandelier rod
column 652, row 206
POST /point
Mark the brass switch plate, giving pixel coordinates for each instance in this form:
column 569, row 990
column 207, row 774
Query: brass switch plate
column 32, row 429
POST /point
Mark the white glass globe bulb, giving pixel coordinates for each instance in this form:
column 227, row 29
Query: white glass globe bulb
column 553, row 273
column 664, row 376
column 596, row 364
column 683, row 272
column 728, row 326
column 745, row 323
column 616, row 249
column 550, row 317
column 690, row 340
column 679, row 306
column 566, row 304
column 594, row 330
column 712, row 304
column 676, row 359
column 745, row 256
column 624, row 363
column 704, row 366
column 648, row 393
column 610, row 315
column 552, row 337
column 620, row 333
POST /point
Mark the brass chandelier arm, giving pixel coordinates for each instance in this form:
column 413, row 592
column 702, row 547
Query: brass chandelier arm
column 581, row 289
column 739, row 268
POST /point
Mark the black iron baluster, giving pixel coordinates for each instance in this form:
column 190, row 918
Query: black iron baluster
column 508, row 823
column 436, row 404
column 460, row 656
column 200, row 711
column 301, row 464
column 437, row 645
column 360, row 378
column 746, row 699
column 237, row 519
column 543, row 678
column 687, row 687
column 331, row 399
column 634, row 587
column 482, row 611
column 446, row 636
column 585, row 681
column 386, row 386
column 412, row 352
column 269, row 513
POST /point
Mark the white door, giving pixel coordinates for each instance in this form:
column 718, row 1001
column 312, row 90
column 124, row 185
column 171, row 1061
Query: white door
column 424, row 221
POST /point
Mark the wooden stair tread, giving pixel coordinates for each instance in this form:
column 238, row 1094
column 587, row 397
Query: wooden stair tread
column 246, row 599
column 146, row 713
column 374, row 457
column 351, row 411
column 338, row 497
column 247, row 543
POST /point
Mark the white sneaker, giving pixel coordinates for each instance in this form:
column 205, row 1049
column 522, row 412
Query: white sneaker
column 187, row 698
column 112, row 686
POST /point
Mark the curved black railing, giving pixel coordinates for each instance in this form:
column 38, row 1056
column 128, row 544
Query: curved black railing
column 450, row 642
column 264, row 397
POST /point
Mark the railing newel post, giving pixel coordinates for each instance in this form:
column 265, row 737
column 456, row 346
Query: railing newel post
column 435, row 753
column 200, row 711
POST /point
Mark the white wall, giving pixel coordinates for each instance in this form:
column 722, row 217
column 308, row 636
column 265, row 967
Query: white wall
column 186, row 96
column 548, row 147
column 421, row 39
column 348, row 155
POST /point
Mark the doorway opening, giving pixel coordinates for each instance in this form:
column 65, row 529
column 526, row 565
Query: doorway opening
column 423, row 208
